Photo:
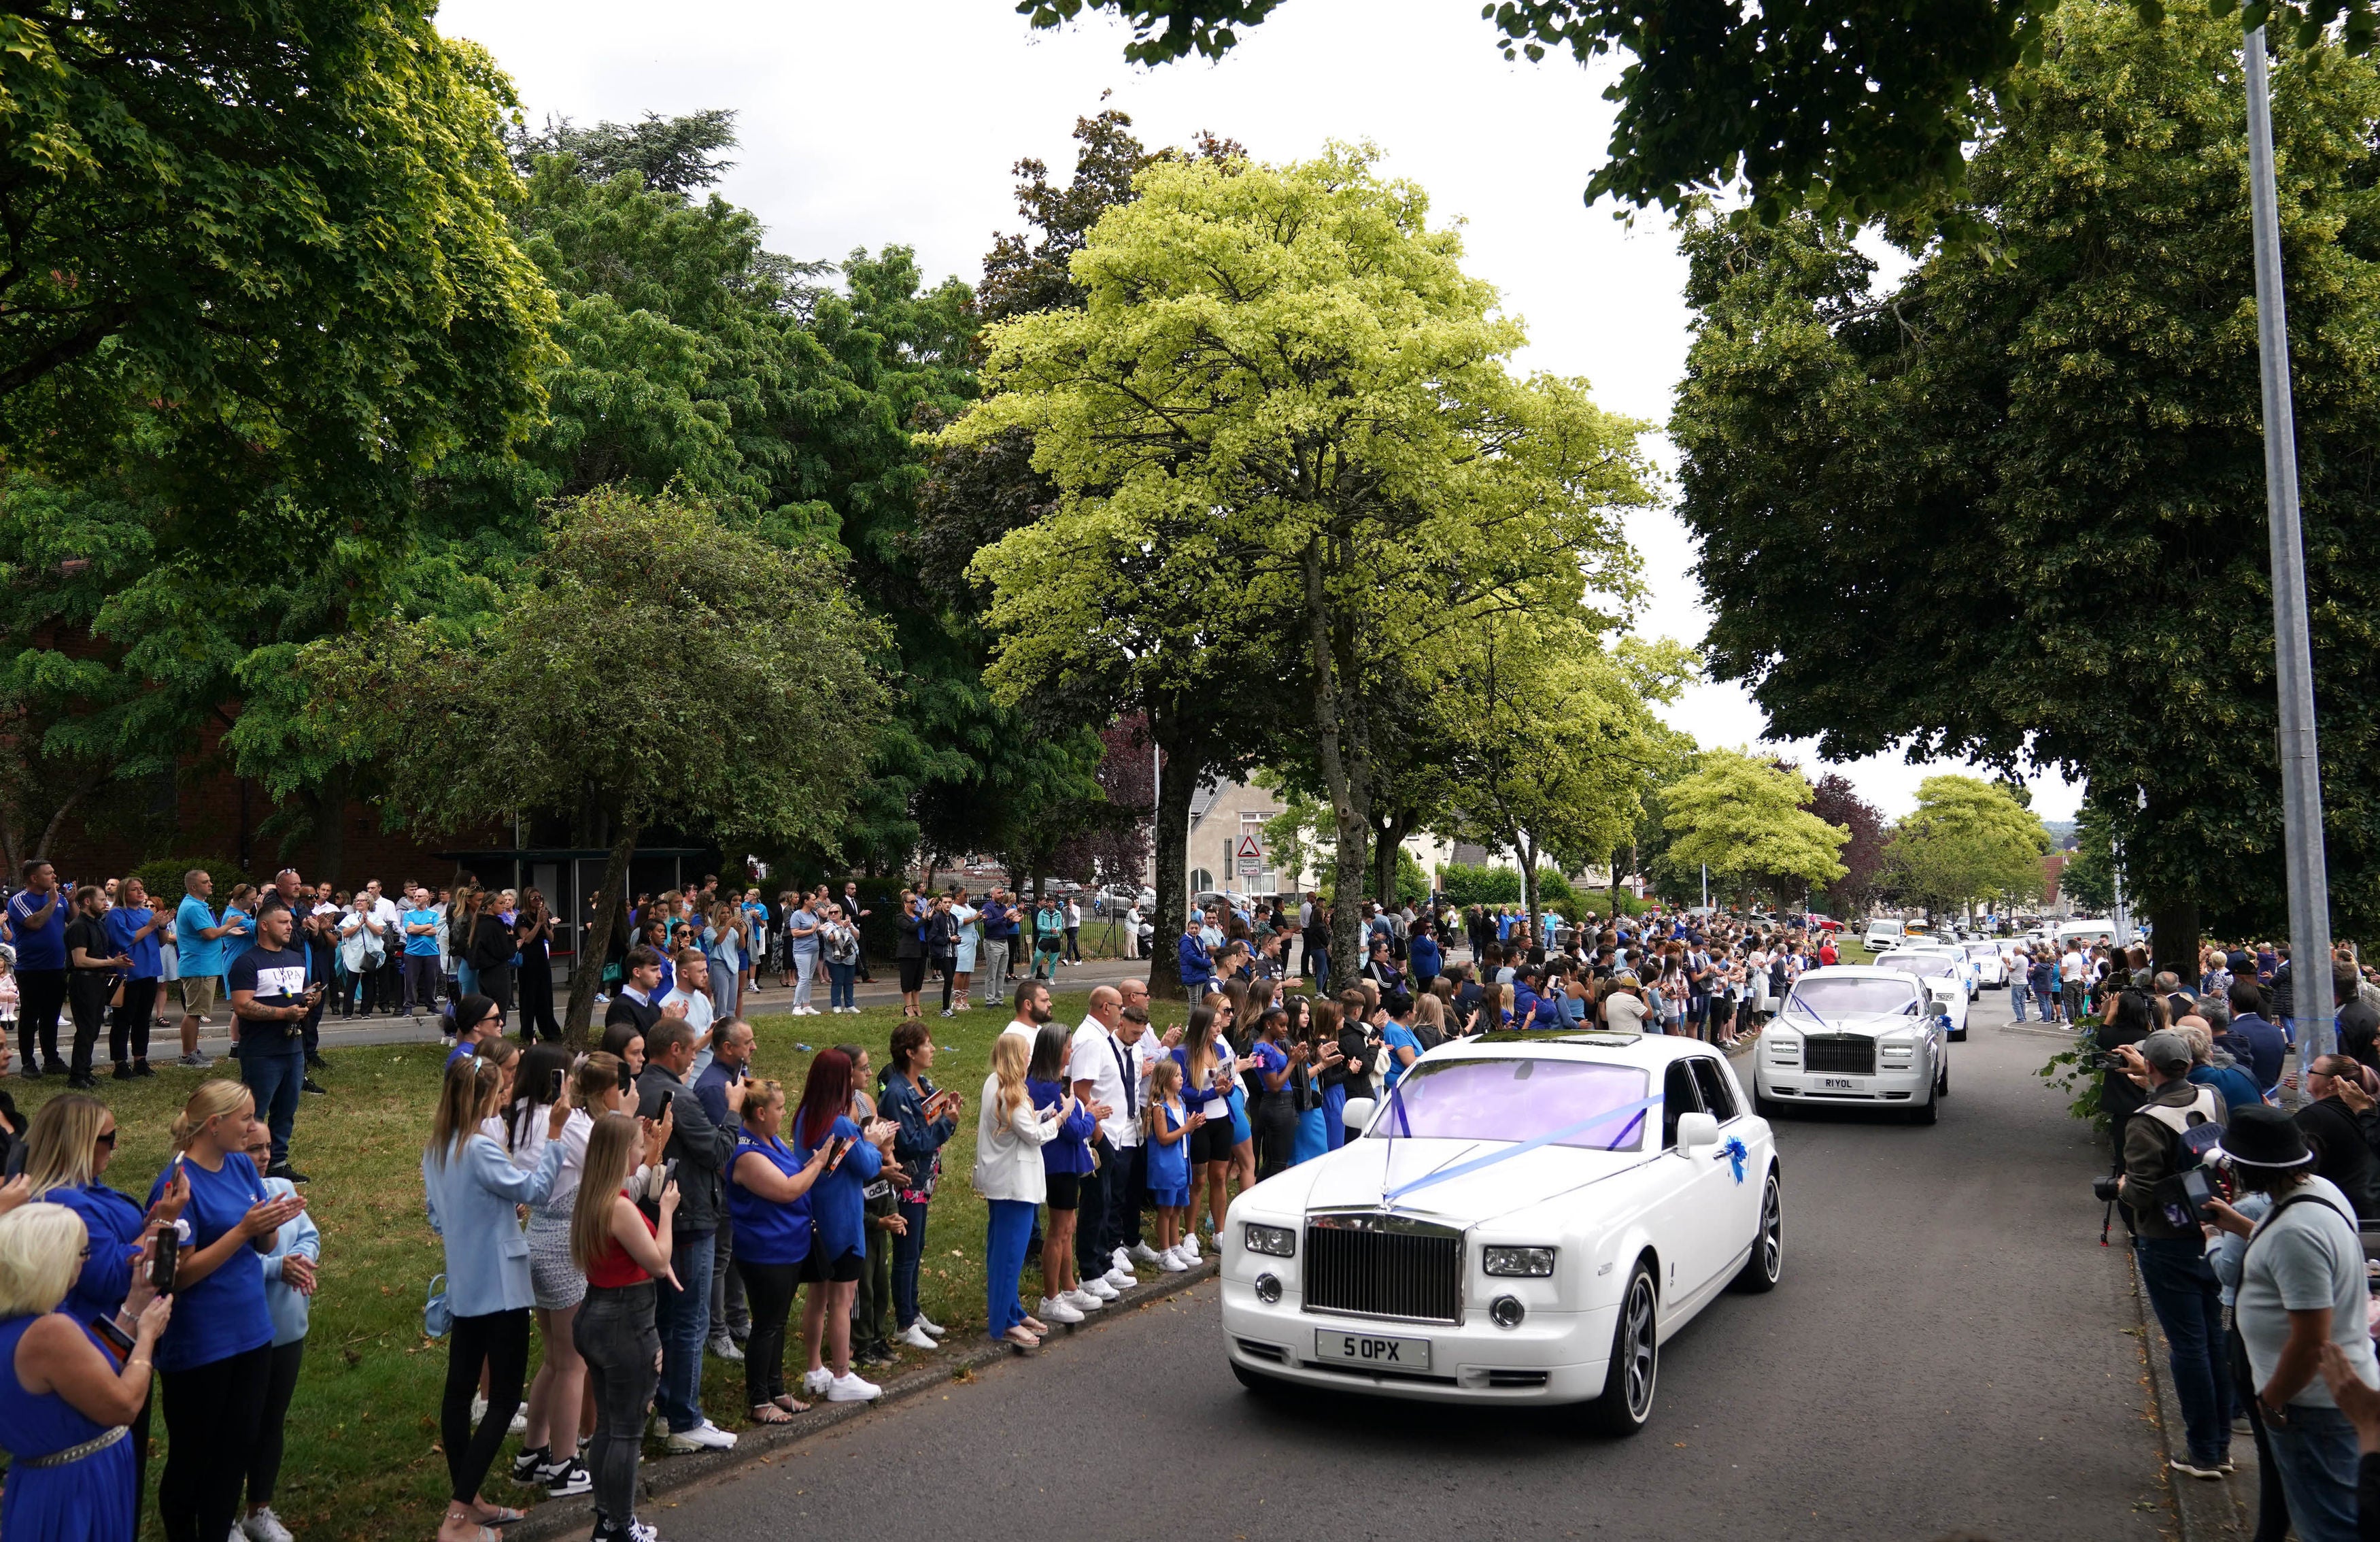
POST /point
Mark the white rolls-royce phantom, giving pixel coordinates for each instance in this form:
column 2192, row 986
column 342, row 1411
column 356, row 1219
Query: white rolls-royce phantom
column 1863, row 1037
column 1526, row 1218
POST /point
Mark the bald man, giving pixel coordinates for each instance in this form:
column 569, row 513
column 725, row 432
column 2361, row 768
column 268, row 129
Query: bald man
column 1101, row 1070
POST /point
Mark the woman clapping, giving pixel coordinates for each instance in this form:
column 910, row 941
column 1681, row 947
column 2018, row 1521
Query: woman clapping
column 769, row 1206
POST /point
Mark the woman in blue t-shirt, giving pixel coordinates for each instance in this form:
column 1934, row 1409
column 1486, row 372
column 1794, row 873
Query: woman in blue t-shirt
column 239, row 915
column 769, row 1211
column 1064, row 1160
column 839, row 1207
column 1278, row 1084
column 215, row 1359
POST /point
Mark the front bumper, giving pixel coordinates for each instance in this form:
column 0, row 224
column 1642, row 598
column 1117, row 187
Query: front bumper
column 1552, row 1357
column 1793, row 1084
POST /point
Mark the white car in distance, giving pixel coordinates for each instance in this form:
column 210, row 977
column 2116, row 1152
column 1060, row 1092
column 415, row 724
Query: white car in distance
column 1525, row 1219
column 1991, row 964
column 1971, row 973
column 1854, row 1036
column 1943, row 978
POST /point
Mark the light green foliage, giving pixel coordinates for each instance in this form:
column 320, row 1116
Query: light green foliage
column 1968, row 840
column 1282, row 373
column 1739, row 815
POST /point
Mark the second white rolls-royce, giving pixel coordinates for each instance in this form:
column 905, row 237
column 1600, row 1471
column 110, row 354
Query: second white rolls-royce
column 1871, row 1036
column 1526, row 1218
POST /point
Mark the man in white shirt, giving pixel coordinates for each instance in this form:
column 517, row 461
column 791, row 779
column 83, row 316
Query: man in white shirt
column 1101, row 1070
column 2073, row 970
column 690, row 997
column 385, row 922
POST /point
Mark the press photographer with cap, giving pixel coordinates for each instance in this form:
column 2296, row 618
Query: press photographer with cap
column 2157, row 1143
column 2302, row 1287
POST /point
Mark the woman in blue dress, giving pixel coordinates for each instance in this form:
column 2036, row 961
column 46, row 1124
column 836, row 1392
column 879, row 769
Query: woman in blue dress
column 66, row 1404
column 1315, row 1114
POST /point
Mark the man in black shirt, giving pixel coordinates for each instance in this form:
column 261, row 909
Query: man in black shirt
column 2340, row 1152
column 635, row 1000
column 271, row 996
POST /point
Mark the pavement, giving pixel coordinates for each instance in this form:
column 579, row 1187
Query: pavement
column 1951, row 1352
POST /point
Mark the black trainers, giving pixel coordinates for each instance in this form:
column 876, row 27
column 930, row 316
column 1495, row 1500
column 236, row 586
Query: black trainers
column 123, row 1070
column 566, row 1478
column 309, row 1084
column 526, row 1465
column 282, row 1170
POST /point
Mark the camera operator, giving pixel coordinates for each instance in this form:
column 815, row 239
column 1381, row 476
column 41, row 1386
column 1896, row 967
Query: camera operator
column 2168, row 1242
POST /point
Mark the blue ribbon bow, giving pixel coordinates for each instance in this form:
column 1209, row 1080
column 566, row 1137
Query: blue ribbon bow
column 1736, row 1155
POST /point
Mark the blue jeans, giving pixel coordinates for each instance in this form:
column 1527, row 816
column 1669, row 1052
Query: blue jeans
column 1003, row 1247
column 2016, row 998
column 908, row 1251
column 838, row 985
column 2189, row 1303
column 685, row 1318
column 1317, row 966
column 273, row 1079
column 2318, row 1456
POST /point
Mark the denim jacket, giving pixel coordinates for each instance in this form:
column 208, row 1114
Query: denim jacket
column 919, row 1138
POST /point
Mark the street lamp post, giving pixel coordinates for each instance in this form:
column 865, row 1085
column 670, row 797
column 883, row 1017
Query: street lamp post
column 2292, row 648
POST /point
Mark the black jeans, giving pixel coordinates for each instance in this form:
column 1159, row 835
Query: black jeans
column 496, row 983
column 87, row 993
column 421, row 982
column 1126, row 1191
column 616, row 1336
column 264, row 1466
column 770, row 1288
column 41, row 995
column 1274, row 1120
column 213, row 1414
column 500, row 1340
column 1091, row 1208
column 536, row 1019
column 127, row 1031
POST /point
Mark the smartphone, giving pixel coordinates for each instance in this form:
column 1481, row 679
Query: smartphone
column 554, row 1088
column 163, row 1263
column 669, row 1172
column 667, row 1094
column 627, row 1083
column 2200, row 1189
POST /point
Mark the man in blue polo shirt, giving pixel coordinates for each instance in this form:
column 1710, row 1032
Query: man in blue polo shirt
column 1402, row 1046
column 1422, row 952
column 37, row 919
column 998, row 918
column 132, row 928
column 421, row 925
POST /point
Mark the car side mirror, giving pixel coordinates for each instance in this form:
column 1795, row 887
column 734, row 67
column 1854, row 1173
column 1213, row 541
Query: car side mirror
column 1357, row 1113
column 1697, row 1131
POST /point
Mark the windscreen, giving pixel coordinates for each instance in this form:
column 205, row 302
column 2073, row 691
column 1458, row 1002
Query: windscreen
column 1847, row 995
column 1516, row 1101
column 1918, row 964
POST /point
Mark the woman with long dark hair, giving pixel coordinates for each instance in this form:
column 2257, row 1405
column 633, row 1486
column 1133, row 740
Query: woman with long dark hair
column 1209, row 1078
column 533, row 937
column 927, row 1119
column 1276, row 1088
column 839, row 1209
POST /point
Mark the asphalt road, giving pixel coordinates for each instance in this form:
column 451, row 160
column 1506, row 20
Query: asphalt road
column 1948, row 1356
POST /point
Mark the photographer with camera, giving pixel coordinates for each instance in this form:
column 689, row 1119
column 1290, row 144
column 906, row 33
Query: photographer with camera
column 2161, row 1140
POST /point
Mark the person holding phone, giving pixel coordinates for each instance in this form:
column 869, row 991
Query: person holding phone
column 215, row 1361
column 94, row 966
column 288, row 1293
column 474, row 1194
column 769, row 1207
column 622, row 1251
column 927, row 1119
column 839, row 1207
column 271, row 996
column 701, row 1150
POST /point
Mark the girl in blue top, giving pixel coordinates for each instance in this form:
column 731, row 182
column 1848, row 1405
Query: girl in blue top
column 64, row 1404
column 239, row 915
column 216, row 1359
column 769, row 1210
column 840, row 1208
column 1064, row 1160
column 1170, row 1130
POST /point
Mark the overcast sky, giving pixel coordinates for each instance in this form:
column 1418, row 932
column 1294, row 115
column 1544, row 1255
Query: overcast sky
column 868, row 123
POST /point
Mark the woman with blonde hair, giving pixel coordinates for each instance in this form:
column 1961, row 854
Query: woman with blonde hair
column 474, row 1191
column 620, row 1251
column 216, row 1360
column 1008, row 1174
column 64, row 1409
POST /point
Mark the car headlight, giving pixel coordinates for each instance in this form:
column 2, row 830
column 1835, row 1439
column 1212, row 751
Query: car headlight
column 1519, row 1263
column 1275, row 1242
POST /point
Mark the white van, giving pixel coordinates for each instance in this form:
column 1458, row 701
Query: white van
column 1882, row 932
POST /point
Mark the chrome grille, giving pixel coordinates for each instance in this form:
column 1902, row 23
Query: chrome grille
column 1845, row 1054
column 1382, row 1265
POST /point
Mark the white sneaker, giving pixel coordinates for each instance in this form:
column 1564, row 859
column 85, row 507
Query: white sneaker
column 818, row 1379
column 1187, row 1247
column 848, row 1387
column 1120, row 1258
column 705, row 1436
column 265, row 1526
column 1121, row 1278
column 930, row 1326
column 640, row 1531
column 1099, row 1286
column 479, row 1409
column 1172, row 1263
column 917, row 1338
column 1083, row 1300
column 1142, row 1252
column 1058, row 1309
column 520, row 1421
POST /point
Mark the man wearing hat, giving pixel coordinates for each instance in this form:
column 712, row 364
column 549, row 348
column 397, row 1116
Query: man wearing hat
column 2301, row 1285
column 2157, row 1141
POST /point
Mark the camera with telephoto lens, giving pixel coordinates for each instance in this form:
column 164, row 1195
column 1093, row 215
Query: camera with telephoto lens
column 2103, row 1188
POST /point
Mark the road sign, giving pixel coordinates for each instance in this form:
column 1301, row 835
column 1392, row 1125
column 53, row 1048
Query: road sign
column 1249, row 848
column 1251, row 864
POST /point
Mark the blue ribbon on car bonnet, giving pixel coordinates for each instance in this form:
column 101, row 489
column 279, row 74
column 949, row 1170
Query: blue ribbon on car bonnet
column 1736, row 1156
column 1523, row 1149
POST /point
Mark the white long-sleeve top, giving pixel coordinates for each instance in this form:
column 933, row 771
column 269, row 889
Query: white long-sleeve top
column 1008, row 1150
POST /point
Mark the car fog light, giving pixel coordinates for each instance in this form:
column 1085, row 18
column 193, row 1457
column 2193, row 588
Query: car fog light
column 1506, row 1312
column 1268, row 1288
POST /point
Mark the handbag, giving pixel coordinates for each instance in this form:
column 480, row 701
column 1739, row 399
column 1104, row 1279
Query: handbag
column 437, row 1319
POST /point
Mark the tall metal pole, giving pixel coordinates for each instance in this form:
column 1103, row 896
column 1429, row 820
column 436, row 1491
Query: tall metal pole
column 2292, row 648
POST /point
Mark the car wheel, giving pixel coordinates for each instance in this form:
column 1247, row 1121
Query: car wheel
column 1766, row 1106
column 1959, row 1034
column 1767, row 1265
column 1257, row 1382
column 1626, row 1406
column 1927, row 1111
column 1942, row 1080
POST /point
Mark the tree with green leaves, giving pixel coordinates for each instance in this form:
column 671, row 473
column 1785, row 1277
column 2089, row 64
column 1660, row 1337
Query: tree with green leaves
column 1284, row 375
column 2076, row 428
column 652, row 665
column 1740, row 815
column 1967, row 839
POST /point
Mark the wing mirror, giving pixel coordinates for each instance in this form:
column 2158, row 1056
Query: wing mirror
column 1358, row 1114
column 1697, row 1131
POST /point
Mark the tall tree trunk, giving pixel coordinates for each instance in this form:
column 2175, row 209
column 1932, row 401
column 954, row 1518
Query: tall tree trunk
column 587, row 968
column 1344, row 771
column 1617, row 888
column 2173, row 937
column 1527, row 848
column 1177, row 778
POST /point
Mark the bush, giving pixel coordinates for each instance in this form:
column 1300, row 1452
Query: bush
column 163, row 878
column 1468, row 885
